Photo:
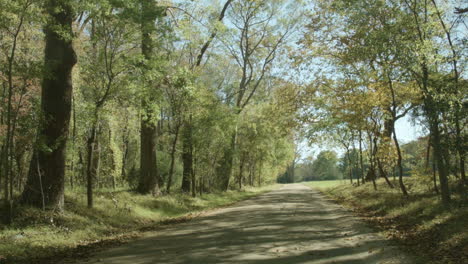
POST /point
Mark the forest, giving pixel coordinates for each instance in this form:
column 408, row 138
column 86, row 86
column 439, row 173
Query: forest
column 103, row 102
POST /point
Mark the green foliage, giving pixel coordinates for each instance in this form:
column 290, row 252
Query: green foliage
column 325, row 166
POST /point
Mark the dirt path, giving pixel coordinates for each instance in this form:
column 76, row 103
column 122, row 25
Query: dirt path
column 294, row 224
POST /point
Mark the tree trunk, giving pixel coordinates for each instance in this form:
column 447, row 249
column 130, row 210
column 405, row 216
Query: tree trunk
column 187, row 157
column 360, row 158
column 432, row 112
column 173, row 151
column 123, row 173
column 57, row 91
column 384, row 174
column 349, row 166
column 400, row 165
column 91, row 164
column 251, row 174
column 72, row 166
column 241, row 172
column 149, row 178
column 461, row 147
column 224, row 171
column 194, row 183
column 434, row 175
column 438, row 156
column 459, row 107
column 371, row 172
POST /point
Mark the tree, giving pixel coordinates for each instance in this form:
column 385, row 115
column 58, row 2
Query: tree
column 325, row 166
column 149, row 176
column 105, row 73
column 187, row 139
column 20, row 86
column 45, row 184
column 254, row 48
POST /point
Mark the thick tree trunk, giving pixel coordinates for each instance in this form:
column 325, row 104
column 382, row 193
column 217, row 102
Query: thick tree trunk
column 432, row 112
column 149, row 178
column 461, row 143
column 224, row 171
column 47, row 170
column 439, row 158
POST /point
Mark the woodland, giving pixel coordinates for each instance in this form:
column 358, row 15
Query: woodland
column 177, row 98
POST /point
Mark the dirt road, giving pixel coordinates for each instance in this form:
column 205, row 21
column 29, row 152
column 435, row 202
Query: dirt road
column 294, row 224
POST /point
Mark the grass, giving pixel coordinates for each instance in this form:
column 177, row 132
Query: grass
column 39, row 237
column 324, row 184
column 420, row 223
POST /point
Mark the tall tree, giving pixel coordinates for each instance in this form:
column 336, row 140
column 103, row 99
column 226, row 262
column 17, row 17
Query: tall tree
column 149, row 175
column 187, row 130
column 45, row 184
column 260, row 32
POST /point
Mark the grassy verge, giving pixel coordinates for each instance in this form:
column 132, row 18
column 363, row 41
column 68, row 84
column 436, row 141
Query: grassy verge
column 419, row 223
column 322, row 185
column 40, row 237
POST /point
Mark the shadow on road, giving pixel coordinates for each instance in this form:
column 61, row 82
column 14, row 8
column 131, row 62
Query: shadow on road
column 292, row 225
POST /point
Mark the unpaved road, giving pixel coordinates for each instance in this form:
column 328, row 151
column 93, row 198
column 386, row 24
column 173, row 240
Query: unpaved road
column 291, row 225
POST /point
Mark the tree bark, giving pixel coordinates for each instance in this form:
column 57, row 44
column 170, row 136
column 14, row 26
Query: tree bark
column 187, row 157
column 360, row 158
column 384, row 174
column 224, row 171
column 438, row 156
column 399, row 163
column 194, row 183
column 91, row 164
column 458, row 110
column 173, row 152
column 149, row 178
column 372, row 154
column 349, row 166
column 57, row 91
column 432, row 113
column 241, row 172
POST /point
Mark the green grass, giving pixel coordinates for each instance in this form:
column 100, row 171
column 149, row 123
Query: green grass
column 325, row 184
column 420, row 222
column 35, row 234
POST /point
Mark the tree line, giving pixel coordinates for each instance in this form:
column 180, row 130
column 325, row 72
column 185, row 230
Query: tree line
column 164, row 96
column 155, row 96
column 380, row 62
